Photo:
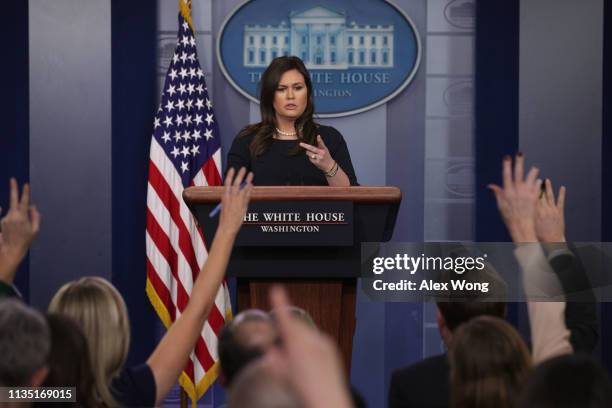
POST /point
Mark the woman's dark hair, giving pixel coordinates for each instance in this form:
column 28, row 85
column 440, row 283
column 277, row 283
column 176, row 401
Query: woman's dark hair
column 68, row 363
column 569, row 381
column 264, row 130
column 489, row 364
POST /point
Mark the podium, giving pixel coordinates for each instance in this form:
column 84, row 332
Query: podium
column 309, row 239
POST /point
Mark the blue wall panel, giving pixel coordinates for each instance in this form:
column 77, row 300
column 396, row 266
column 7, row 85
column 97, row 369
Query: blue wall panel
column 497, row 75
column 134, row 99
column 606, row 175
column 14, row 111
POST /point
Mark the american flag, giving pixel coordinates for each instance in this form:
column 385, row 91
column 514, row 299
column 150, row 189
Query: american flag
column 185, row 151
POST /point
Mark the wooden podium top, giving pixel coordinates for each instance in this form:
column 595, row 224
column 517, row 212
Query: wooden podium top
column 358, row 194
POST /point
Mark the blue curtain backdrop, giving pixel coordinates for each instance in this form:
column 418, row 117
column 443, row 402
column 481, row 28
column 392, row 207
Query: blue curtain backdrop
column 134, row 64
column 497, row 82
column 14, row 111
column 606, row 176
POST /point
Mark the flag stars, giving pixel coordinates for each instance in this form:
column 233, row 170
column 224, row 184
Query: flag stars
column 185, row 151
column 209, row 119
column 183, row 136
column 177, row 136
column 169, row 106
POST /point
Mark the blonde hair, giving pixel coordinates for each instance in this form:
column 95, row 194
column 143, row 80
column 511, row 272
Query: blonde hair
column 100, row 310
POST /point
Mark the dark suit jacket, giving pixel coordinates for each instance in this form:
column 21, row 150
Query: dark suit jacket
column 427, row 383
column 581, row 308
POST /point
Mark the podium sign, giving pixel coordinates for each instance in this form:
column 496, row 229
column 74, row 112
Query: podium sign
column 310, row 231
column 297, row 223
column 291, row 223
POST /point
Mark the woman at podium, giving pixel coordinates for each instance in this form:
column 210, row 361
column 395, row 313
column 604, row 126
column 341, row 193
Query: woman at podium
column 287, row 147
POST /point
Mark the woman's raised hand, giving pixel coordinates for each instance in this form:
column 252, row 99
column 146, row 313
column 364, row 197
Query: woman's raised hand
column 235, row 200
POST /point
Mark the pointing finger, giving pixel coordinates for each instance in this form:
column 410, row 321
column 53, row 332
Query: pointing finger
column 24, row 204
column 14, row 200
column 320, row 142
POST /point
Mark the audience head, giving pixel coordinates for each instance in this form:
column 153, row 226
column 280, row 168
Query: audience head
column 244, row 339
column 100, row 311
column 489, row 363
column 459, row 307
column 24, row 345
column 568, row 381
column 298, row 313
column 69, row 364
column 263, row 384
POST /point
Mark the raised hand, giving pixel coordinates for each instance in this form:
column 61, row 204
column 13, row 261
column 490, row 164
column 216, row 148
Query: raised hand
column 235, row 200
column 319, row 155
column 19, row 228
column 550, row 220
column 517, row 199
